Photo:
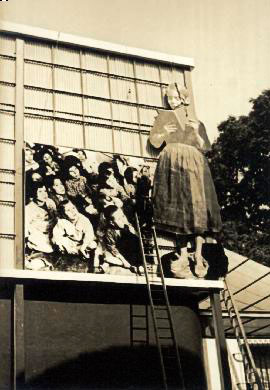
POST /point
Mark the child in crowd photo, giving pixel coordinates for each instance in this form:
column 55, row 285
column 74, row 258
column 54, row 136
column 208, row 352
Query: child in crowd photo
column 73, row 233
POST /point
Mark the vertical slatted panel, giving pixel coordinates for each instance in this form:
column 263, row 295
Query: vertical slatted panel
column 123, row 90
column 147, row 152
column 96, row 85
column 124, row 113
column 69, row 134
column 7, row 45
column 7, row 72
column 67, row 80
column 149, row 94
column 38, row 130
column 38, row 75
column 178, row 76
column 6, row 155
column 147, row 116
column 121, row 66
column 7, row 252
column 147, row 71
column 68, row 57
column 97, row 108
column 98, row 138
column 95, row 62
column 127, row 142
column 37, row 51
column 82, row 72
column 166, row 74
column 68, row 103
column 7, row 125
column 7, row 219
column 7, row 94
column 7, row 191
column 38, row 99
column 7, row 176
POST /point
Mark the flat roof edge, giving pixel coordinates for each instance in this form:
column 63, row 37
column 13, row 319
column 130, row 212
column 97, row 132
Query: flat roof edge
column 60, row 276
column 37, row 32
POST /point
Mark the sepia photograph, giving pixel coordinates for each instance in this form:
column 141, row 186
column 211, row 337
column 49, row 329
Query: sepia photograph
column 134, row 195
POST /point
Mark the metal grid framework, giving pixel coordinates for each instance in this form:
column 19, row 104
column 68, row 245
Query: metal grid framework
column 70, row 96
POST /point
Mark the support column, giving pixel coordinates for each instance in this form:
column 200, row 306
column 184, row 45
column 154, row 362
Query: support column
column 19, row 145
column 222, row 353
column 17, row 354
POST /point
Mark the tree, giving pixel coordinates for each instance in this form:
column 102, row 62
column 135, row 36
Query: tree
column 240, row 164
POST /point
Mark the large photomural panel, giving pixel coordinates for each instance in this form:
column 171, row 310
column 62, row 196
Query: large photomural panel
column 79, row 210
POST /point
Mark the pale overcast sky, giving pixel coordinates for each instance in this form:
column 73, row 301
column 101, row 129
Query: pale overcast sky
column 229, row 40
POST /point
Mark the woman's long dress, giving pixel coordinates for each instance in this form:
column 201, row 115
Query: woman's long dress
column 184, row 196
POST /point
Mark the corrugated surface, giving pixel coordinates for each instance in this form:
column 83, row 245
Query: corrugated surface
column 97, row 108
column 38, row 99
column 170, row 74
column 38, row 75
column 6, row 155
column 123, row 90
column 146, row 71
column 127, row 142
column 38, row 130
column 95, row 62
column 7, row 219
column 7, row 94
column 178, row 76
column 68, row 57
column 68, row 103
column 69, row 134
column 149, row 94
column 7, row 125
column 7, row 176
column 166, row 75
column 96, row 85
column 67, row 80
column 98, row 138
column 7, row 70
column 121, row 66
column 7, row 191
column 125, row 113
column 37, row 51
column 147, row 116
column 7, row 45
column 7, row 252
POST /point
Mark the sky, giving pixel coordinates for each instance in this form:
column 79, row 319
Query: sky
column 228, row 40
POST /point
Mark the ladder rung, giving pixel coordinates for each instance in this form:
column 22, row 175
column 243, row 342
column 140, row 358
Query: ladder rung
column 139, row 315
column 164, row 328
column 139, row 341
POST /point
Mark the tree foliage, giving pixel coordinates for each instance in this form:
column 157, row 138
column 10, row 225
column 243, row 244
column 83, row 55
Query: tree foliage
column 240, row 164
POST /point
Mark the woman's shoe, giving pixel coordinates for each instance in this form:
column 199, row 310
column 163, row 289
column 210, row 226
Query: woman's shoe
column 201, row 266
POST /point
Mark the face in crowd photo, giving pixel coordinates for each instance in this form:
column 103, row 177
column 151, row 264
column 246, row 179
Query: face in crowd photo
column 79, row 210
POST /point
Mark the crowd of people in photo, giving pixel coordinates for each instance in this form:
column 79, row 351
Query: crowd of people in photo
column 79, row 213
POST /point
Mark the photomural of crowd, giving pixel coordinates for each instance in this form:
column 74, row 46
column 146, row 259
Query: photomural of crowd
column 80, row 210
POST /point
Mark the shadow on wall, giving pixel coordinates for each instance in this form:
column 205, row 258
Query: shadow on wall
column 117, row 368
